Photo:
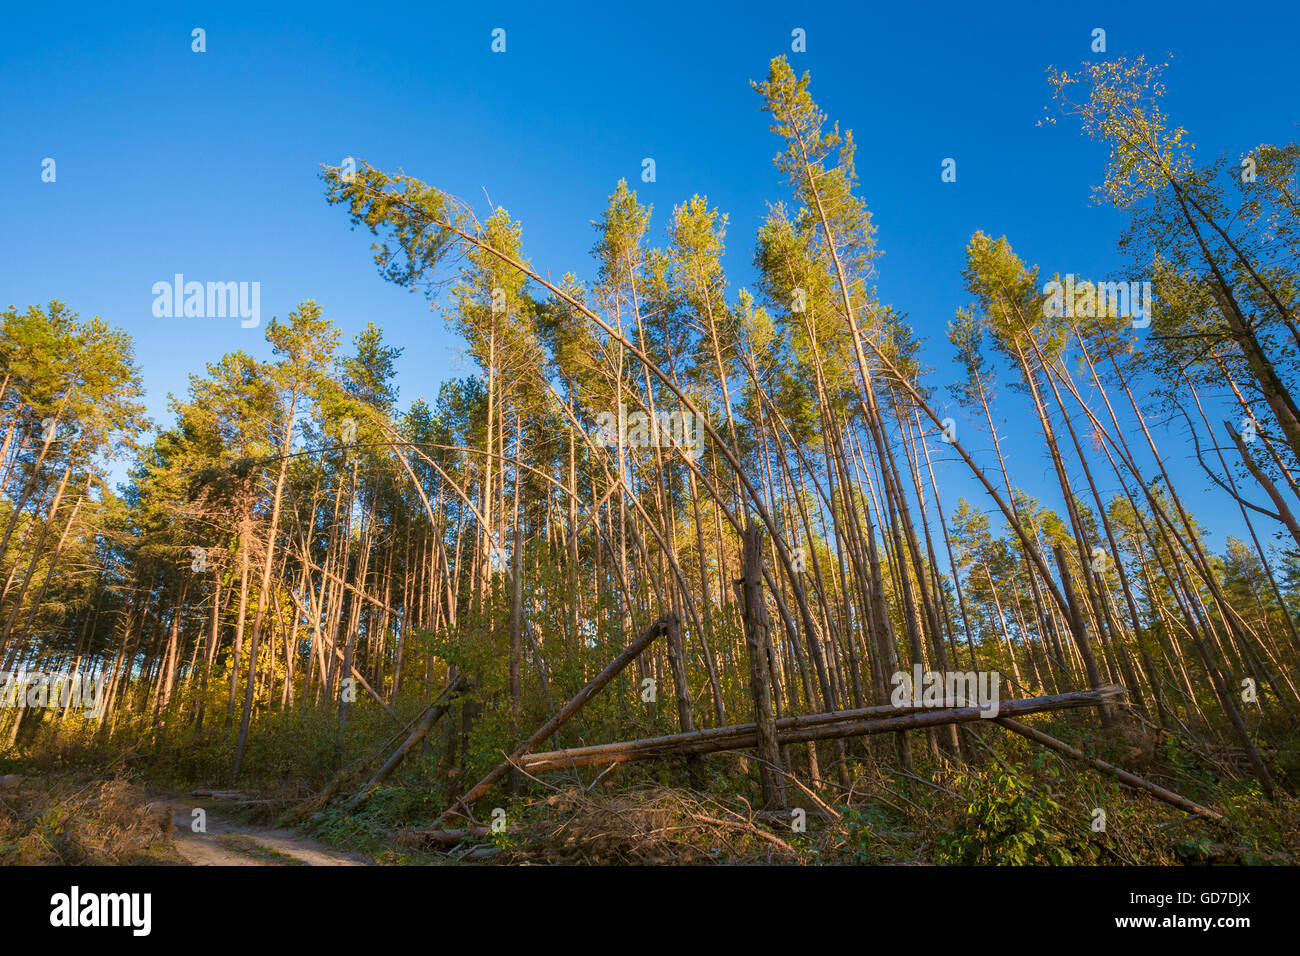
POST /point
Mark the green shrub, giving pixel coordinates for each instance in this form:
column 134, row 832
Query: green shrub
column 1008, row 825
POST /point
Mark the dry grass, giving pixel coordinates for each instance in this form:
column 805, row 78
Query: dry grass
column 55, row 821
column 651, row 825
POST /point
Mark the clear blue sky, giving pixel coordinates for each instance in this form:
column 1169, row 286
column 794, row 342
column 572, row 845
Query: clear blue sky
column 206, row 164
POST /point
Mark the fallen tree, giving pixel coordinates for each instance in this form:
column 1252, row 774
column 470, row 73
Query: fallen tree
column 562, row 717
column 809, row 727
column 433, row 714
column 1132, row 779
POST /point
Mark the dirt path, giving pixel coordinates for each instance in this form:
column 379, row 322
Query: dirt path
column 233, row 843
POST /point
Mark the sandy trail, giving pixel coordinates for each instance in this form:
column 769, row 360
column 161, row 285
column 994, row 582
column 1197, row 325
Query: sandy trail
column 233, row 843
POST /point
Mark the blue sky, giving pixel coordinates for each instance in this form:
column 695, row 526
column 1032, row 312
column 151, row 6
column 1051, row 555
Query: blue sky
column 206, row 164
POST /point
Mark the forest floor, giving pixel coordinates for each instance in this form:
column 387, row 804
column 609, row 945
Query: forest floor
column 1044, row 811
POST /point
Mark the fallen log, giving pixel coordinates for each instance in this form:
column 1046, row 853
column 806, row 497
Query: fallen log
column 801, row 729
column 450, row 837
column 436, row 711
column 782, row 723
column 235, row 796
column 1060, row 746
column 562, row 717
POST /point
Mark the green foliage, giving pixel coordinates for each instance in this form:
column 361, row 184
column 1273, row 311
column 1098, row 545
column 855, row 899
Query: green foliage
column 1008, row 825
column 860, row 824
column 1196, row 850
column 383, row 810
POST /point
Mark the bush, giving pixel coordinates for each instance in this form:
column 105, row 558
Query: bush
column 1009, row 825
